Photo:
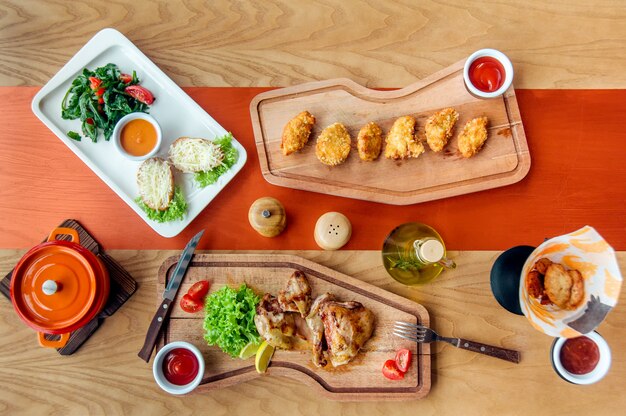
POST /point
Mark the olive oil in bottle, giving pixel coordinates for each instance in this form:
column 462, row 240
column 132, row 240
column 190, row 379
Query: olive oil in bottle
column 414, row 253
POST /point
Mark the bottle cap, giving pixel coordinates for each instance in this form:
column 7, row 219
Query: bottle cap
column 431, row 250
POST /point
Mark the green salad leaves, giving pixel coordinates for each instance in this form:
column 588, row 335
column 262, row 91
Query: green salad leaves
column 229, row 319
column 100, row 98
column 175, row 211
column 206, row 178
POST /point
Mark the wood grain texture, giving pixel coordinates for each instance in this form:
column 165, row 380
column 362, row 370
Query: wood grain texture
column 106, row 376
column 503, row 160
column 564, row 44
column 360, row 380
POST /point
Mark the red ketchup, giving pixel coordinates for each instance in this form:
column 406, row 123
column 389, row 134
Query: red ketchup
column 487, row 74
column 579, row 355
column 180, row 366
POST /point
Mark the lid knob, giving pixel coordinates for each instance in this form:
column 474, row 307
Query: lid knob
column 267, row 216
column 49, row 287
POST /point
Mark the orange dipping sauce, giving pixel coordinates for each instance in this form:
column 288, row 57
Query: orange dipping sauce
column 138, row 137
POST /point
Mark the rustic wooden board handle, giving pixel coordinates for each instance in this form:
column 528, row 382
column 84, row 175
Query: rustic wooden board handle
column 490, row 350
column 154, row 330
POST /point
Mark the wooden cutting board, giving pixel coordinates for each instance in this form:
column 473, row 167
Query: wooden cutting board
column 361, row 379
column 503, row 160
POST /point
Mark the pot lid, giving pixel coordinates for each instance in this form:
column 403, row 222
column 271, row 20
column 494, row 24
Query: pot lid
column 53, row 286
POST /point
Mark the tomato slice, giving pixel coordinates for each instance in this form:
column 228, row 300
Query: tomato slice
column 125, row 78
column 94, row 83
column 139, row 93
column 199, row 290
column 403, row 359
column 391, row 371
column 190, row 305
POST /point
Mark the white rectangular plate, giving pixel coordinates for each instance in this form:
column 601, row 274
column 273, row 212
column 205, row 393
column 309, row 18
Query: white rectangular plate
column 175, row 111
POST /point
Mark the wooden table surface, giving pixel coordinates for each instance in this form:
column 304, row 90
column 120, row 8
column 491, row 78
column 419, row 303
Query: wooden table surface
column 566, row 56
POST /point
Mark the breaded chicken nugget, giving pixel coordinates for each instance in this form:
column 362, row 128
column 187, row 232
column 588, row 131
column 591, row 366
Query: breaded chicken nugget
column 473, row 136
column 558, row 285
column 333, row 145
column 296, row 132
column 577, row 294
column 542, row 265
column 565, row 288
column 439, row 128
column 370, row 141
column 401, row 140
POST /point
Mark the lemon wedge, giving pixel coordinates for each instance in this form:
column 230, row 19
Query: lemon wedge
column 263, row 357
column 248, row 351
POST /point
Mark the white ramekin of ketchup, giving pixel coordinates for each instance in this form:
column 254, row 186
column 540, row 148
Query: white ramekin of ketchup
column 137, row 136
column 178, row 367
column 488, row 73
column 581, row 360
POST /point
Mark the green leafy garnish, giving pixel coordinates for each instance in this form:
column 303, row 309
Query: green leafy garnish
column 98, row 98
column 209, row 177
column 229, row 319
column 175, row 211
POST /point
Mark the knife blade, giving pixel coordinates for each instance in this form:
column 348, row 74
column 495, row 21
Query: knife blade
column 169, row 294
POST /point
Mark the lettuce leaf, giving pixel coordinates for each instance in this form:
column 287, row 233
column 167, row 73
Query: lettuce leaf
column 176, row 210
column 209, row 177
column 229, row 319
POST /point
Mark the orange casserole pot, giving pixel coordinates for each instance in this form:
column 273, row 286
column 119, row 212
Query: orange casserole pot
column 58, row 287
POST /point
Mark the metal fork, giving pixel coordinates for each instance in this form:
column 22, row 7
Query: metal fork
column 422, row 334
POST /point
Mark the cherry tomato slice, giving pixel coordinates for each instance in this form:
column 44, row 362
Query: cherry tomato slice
column 391, row 371
column 199, row 290
column 403, row 359
column 125, row 78
column 139, row 93
column 190, row 305
column 94, row 83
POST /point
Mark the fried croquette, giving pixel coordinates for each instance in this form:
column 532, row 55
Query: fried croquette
column 439, row 128
column 296, row 132
column 534, row 284
column 564, row 288
column 370, row 141
column 473, row 136
column 542, row 265
column 401, row 140
column 333, row 145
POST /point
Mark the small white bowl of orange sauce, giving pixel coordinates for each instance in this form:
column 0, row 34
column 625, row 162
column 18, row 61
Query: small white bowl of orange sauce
column 178, row 367
column 488, row 73
column 137, row 136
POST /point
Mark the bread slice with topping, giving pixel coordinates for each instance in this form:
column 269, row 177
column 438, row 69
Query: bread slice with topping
column 192, row 155
column 155, row 180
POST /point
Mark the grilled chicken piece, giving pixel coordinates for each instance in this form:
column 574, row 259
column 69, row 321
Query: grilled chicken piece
column 315, row 324
column 297, row 296
column 274, row 325
column 347, row 327
column 343, row 326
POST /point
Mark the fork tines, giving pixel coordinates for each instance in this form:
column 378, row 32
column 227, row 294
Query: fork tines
column 412, row 332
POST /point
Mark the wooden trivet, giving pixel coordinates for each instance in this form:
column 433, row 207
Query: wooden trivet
column 122, row 288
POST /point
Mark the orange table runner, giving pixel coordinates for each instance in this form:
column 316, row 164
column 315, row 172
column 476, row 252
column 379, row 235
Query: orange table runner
column 577, row 142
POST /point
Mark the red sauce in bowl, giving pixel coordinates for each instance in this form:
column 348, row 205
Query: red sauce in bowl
column 579, row 355
column 487, row 74
column 180, row 366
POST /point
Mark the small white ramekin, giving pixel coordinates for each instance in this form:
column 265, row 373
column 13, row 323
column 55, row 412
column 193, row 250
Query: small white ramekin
column 157, row 368
column 508, row 73
column 594, row 376
column 117, row 133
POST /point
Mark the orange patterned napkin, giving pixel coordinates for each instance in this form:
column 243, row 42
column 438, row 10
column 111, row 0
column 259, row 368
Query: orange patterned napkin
column 586, row 251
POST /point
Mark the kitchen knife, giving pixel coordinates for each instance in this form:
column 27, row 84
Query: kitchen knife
column 168, row 297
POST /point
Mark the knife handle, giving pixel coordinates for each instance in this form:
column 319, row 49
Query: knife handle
column 497, row 352
column 154, row 330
